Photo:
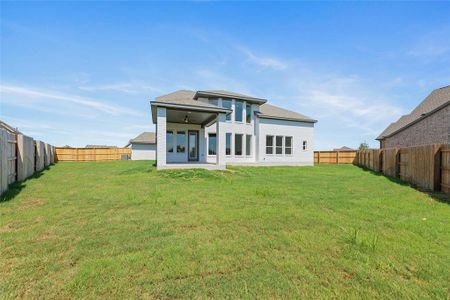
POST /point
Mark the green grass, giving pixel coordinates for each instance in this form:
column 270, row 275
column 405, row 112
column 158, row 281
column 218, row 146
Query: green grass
column 123, row 230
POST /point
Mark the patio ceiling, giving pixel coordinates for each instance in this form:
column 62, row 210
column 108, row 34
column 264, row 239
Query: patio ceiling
column 190, row 117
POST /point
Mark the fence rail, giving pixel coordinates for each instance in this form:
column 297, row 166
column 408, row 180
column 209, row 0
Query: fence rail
column 92, row 154
column 334, row 157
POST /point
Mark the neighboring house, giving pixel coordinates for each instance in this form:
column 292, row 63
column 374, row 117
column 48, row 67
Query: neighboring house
column 344, row 148
column 428, row 123
column 221, row 127
column 99, row 146
column 143, row 147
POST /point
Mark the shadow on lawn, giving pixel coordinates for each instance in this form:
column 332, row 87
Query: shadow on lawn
column 15, row 188
column 438, row 196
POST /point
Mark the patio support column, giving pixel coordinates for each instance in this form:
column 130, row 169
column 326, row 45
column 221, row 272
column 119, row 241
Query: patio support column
column 161, row 126
column 220, row 140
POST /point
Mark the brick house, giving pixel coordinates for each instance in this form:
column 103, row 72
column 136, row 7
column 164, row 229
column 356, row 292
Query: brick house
column 428, row 123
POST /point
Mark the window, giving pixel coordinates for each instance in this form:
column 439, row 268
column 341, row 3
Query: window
column 238, row 144
column 228, row 144
column 181, row 142
column 288, row 145
column 212, row 144
column 214, row 101
column 248, row 113
column 248, row 145
column 279, row 145
column 226, row 103
column 305, row 145
column 169, row 141
column 238, row 110
column 269, row 144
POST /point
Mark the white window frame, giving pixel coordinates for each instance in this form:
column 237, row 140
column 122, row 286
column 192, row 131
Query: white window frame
column 282, row 145
column 291, row 147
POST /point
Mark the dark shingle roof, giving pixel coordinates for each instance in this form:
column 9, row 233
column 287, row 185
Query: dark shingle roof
column 436, row 100
column 344, row 148
column 144, row 138
column 183, row 97
column 275, row 112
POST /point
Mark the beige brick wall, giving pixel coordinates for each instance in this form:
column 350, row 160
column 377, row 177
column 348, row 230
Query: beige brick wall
column 434, row 129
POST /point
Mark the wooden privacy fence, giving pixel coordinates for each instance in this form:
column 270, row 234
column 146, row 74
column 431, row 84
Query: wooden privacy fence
column 334, row 157
column 21, row 156
column 427, row 167
column 92, row 154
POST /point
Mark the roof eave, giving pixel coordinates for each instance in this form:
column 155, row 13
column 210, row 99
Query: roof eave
column 208, row 94
column 287, row 119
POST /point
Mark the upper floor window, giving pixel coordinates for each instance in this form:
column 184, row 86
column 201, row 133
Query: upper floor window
column 169, row 141
column 248, row 113
column 238, row 110
column 212, row 144
column 214, row 101
column 305, row 145
column 226, row 103
column 269, row 144
column 181, row 142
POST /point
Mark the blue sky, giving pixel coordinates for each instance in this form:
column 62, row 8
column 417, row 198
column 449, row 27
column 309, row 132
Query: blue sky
column 82, row 73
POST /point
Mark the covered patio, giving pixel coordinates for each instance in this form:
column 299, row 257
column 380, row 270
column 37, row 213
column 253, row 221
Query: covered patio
column 180, row 134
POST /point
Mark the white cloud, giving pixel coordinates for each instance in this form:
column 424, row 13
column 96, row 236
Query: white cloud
column 263, row 61
column 123, row 87
column 49, row 98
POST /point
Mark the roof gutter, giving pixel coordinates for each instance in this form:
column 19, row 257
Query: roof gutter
column 191, row 107
column 287, row 119
column 209, row 94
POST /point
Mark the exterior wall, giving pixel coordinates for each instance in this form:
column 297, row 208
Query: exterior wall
column 434, row 129
column 234, row 127
column 143, row 151
column 175, row 157
column 299, row 131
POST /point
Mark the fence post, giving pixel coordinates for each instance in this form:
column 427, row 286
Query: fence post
column 337, row 157
column 397, row 162
column 318, row 157
column 437, row 168
column 3, row 160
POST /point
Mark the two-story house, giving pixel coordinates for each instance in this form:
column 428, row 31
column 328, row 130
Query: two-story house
column 213, row 128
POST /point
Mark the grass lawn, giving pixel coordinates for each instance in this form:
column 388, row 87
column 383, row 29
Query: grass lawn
column 121, row 229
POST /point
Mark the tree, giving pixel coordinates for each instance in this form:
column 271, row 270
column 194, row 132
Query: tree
column 363, row 146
